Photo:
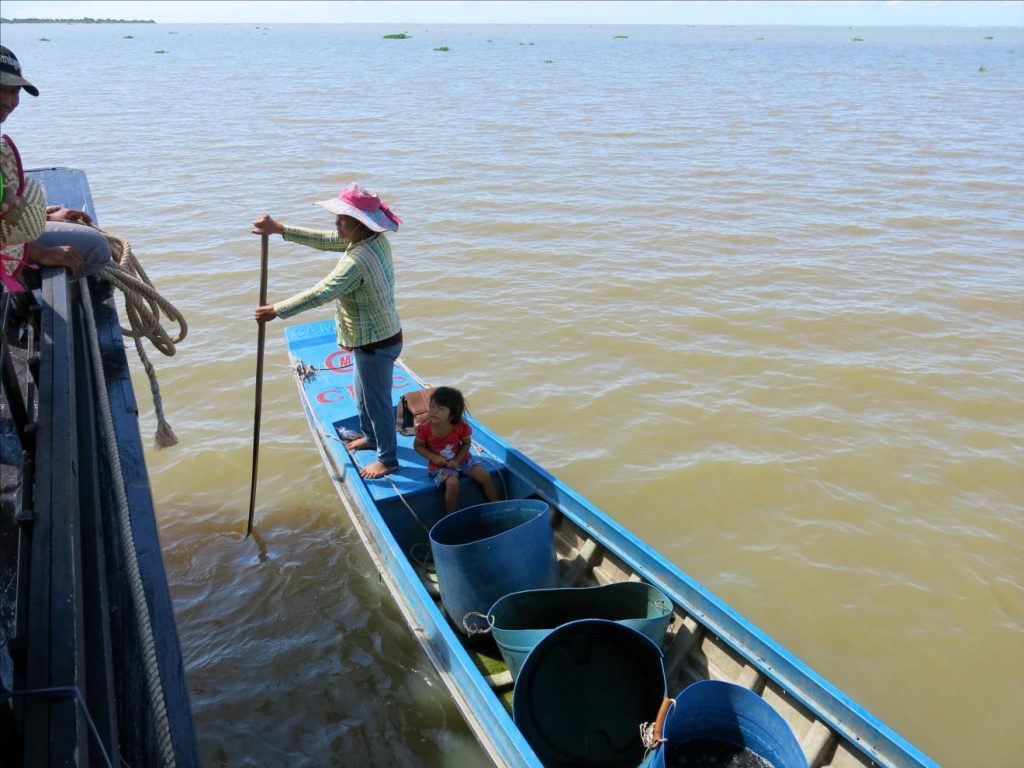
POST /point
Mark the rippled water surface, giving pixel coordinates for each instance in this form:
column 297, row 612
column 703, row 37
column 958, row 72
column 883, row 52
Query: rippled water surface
column 757, row 292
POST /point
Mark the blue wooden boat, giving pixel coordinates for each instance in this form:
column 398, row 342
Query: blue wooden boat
column 707, row 640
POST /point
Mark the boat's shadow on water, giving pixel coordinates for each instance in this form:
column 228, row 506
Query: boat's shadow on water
column 300, row 596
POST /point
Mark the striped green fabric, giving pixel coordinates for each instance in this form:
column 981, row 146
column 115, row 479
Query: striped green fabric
column 362, row 284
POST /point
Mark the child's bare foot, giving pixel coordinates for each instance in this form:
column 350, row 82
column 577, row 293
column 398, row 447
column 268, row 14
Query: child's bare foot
column 359, row 444
column 377, row 469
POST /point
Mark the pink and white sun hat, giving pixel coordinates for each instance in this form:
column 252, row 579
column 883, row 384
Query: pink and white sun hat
column 363, row 205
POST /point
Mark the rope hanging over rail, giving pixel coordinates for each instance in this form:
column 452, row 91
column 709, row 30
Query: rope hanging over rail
column 151, row 670
column 143, row 306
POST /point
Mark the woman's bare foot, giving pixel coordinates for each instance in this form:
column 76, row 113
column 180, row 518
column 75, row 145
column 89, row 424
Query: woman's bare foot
column 377, row 469
column 359, row 444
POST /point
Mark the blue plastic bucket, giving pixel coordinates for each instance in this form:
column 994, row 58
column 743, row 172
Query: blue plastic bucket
column 486, row 551
column 713, row 713
column 584, row 691
column 521, row 620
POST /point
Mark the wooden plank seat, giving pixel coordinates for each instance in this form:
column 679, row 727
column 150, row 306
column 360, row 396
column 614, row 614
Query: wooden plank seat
column 412, row 479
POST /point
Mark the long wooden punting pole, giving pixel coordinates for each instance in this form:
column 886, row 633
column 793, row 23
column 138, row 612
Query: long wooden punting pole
column 260, row 341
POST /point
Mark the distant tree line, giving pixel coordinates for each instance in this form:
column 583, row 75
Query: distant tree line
column 86, row 20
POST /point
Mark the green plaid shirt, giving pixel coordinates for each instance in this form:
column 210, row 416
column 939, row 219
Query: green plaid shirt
column 362, row 284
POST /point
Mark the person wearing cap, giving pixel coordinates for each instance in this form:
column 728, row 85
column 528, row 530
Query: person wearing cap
column 32, row 233
column 363, row 286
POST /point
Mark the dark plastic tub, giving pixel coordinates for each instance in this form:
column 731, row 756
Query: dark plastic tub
column 584, row 691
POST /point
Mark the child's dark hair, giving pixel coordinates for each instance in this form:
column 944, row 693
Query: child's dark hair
column 452, row 399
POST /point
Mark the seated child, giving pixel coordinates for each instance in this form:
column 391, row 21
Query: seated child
column 444, row 440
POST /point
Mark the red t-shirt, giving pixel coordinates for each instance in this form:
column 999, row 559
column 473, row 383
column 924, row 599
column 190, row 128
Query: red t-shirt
column 447, row 446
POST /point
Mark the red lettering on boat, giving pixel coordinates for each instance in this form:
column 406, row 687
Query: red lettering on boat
column 338, row 361
column 330, row 396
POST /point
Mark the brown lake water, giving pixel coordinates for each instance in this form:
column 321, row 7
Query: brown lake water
column 757, row 292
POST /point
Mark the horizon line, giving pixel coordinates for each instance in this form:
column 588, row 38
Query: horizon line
column 108, row 20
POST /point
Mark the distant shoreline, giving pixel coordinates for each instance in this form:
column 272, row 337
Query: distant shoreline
column 86, row 20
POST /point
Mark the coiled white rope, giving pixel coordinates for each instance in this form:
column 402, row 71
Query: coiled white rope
column 154, row 688
column 143, row 306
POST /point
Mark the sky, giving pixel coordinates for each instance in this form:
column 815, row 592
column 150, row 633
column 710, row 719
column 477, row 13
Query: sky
column 956, row 13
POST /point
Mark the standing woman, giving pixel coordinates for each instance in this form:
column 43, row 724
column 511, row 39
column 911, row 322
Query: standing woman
column 363, row 285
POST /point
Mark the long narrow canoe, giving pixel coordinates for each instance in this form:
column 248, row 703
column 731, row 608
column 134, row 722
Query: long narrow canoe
column 706, row 640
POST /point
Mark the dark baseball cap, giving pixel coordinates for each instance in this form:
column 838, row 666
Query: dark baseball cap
column 10, row 71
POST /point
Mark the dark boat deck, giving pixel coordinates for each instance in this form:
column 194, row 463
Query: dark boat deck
column 77, row 650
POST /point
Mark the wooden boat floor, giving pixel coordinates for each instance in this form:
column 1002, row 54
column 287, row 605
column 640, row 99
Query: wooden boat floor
column 489, row 661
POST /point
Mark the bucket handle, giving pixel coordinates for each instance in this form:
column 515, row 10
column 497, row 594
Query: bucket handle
column 473, row 630
column 651, row 733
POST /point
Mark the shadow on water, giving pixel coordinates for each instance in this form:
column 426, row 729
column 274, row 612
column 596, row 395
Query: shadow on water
column 296, row 652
